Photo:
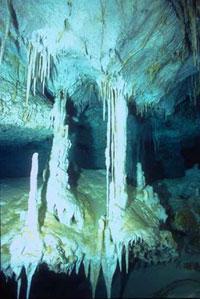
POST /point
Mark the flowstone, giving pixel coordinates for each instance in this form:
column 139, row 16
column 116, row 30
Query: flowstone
column 124, row 221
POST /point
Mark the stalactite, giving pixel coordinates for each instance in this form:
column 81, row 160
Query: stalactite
column 19, row 282
column 119, row 248
column 86, row 264
column 155, row 136
column 28, row 84
column 95, row 266
column 3, row 42
column 107, row 156
column 114, row 96
column 113, row 93
column 78, row 264
column 30, row 270
column 39, row 63
column 190, row 20
column 109, row 260
column 120, row 143
column 127, row 255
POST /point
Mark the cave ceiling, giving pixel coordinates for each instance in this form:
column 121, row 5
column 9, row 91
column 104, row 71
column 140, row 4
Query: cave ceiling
column 145, row 42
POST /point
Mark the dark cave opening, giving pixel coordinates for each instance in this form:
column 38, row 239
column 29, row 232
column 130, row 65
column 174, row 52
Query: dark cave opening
column 88, row 142
column 191, row 152
column 47, row 284
column 15, row 159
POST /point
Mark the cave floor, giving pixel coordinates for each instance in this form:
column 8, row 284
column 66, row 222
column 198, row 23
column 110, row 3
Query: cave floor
column 14, row 205
column 174, row 279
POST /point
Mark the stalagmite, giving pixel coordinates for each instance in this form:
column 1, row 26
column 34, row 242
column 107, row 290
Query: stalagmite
column 58, row 164
column 146, row 195
column 60, row 199
column 26, row 248
column 32, row 214
column 140, row 176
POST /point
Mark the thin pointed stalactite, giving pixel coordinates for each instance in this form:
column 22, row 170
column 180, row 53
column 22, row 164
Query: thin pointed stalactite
column 19, row 282
column 94, row 274
column 30, row 270
column 109, row 260
column 127, row 255
column 28, row 83
column 86, row 263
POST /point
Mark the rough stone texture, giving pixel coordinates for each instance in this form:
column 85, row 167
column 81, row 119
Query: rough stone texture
column 150, row 43
column 21, row 124
column 142, row 39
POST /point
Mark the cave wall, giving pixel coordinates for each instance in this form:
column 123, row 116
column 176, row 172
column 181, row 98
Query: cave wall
column 166, row 145
column 15, row 159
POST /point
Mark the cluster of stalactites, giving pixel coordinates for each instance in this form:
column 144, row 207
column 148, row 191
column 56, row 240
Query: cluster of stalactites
column 59, row 112
column 39, row 64
column 115, row 106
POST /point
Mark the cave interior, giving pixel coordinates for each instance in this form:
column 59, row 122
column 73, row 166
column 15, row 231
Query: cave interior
column 99, row 149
